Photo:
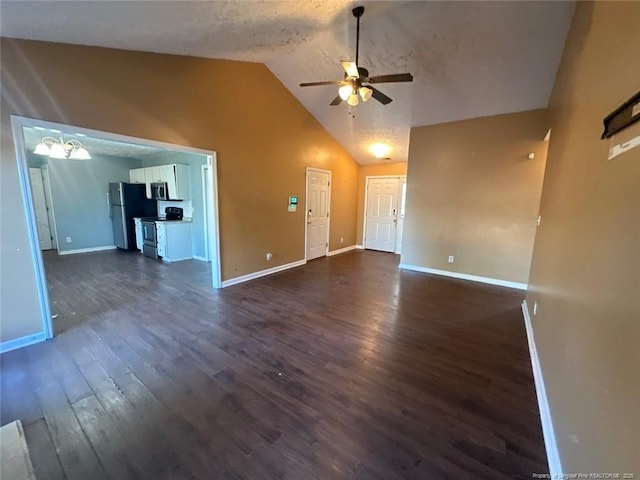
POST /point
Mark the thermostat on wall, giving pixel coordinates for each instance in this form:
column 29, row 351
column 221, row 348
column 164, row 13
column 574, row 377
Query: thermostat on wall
column 293, row 204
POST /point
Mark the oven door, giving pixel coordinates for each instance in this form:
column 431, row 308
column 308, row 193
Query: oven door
column 149, row 243
column 149, row 233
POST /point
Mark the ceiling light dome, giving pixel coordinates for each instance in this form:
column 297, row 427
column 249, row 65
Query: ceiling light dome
column 365, row 93
column 57, row 151
column 79, row 153
column 345, row 92
column 380, row 150
column 42, row 149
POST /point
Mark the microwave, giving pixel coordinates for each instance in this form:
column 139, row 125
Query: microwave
column 159, row 191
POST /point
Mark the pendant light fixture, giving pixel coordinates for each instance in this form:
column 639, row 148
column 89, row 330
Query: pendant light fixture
column 58, row 148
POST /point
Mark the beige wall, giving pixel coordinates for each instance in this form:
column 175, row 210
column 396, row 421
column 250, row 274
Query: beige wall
column 263, row 136
column 585, row 273
column 373, row 170
column 473, row 193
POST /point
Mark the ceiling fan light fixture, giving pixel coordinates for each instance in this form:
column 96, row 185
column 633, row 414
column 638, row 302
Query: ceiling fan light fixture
column 354, row 75
column 345, row 92
column 365, row 93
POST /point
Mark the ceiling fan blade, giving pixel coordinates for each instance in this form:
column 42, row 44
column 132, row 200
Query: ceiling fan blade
column 336, row 101
column 317, row 84
column 396, row 77
column 351, row 68
column 381, row 97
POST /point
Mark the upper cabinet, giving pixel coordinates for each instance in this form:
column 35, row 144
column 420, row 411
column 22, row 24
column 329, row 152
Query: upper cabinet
column 175, row 176
column 136, row 175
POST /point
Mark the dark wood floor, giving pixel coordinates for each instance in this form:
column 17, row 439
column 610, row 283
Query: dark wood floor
column 343, row 368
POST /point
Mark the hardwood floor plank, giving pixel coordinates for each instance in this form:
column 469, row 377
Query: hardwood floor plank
column 46, row 464
column 344, row 368
column 76, row 455
column 106, row 439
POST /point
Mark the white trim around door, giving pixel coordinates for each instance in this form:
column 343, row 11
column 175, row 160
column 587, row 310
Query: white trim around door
column 18, row 123
column 52, row 213
column 399, row 210
column 306, row 208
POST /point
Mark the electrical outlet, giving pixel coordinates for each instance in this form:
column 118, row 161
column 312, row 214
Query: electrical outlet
column 341, row 239
column 269, row 256
column 68, row 239
column 535, row 307
column 451, row 259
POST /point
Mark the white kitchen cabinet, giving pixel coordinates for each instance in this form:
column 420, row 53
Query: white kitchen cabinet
column 175, row 176
column 174, row 240
column 138, row 230
column 179, row 184
column 136, row 175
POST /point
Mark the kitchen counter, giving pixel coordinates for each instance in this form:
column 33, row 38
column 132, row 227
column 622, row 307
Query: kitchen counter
column 184, row 220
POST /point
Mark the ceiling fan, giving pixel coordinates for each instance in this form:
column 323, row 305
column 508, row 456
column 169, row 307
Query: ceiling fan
column 357, row 80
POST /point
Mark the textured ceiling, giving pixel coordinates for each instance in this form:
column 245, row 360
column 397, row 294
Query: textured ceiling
column 468, row 59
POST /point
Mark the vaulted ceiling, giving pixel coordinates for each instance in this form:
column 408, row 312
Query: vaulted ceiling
column 468, row 59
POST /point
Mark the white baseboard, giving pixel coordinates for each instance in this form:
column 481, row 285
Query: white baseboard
column 553, row 454
column 359, row 247
column 201, row 259
column 341, row 250
column 86, row 250
column 464, row 276
column 25, row 341
column 262, row 273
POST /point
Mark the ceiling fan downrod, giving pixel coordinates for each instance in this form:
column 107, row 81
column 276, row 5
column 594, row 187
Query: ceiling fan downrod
column 358, row 12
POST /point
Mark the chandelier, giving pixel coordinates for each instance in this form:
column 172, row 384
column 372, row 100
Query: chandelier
column 58, row 148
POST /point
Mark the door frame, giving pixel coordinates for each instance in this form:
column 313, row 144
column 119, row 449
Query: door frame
column 366, row 200
column 205, row 208
column 46, row 178
column 306, row 202
column 45, row 192
column 19, row 122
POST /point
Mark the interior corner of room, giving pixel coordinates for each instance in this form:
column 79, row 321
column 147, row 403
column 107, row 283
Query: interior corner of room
column 482, row 202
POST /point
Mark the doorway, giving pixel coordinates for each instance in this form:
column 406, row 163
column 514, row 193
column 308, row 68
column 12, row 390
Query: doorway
column 384, row 213
column 317, row 212
column 34, row 194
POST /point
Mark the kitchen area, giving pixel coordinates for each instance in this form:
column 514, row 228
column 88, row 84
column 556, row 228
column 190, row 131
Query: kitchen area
column 153, row 213
column 118, row 220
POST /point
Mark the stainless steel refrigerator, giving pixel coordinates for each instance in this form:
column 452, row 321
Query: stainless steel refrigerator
column 126, row 201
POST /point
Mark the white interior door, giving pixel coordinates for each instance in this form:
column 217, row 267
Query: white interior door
column 318, row 198
column 382, row 214
column 40, row 206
